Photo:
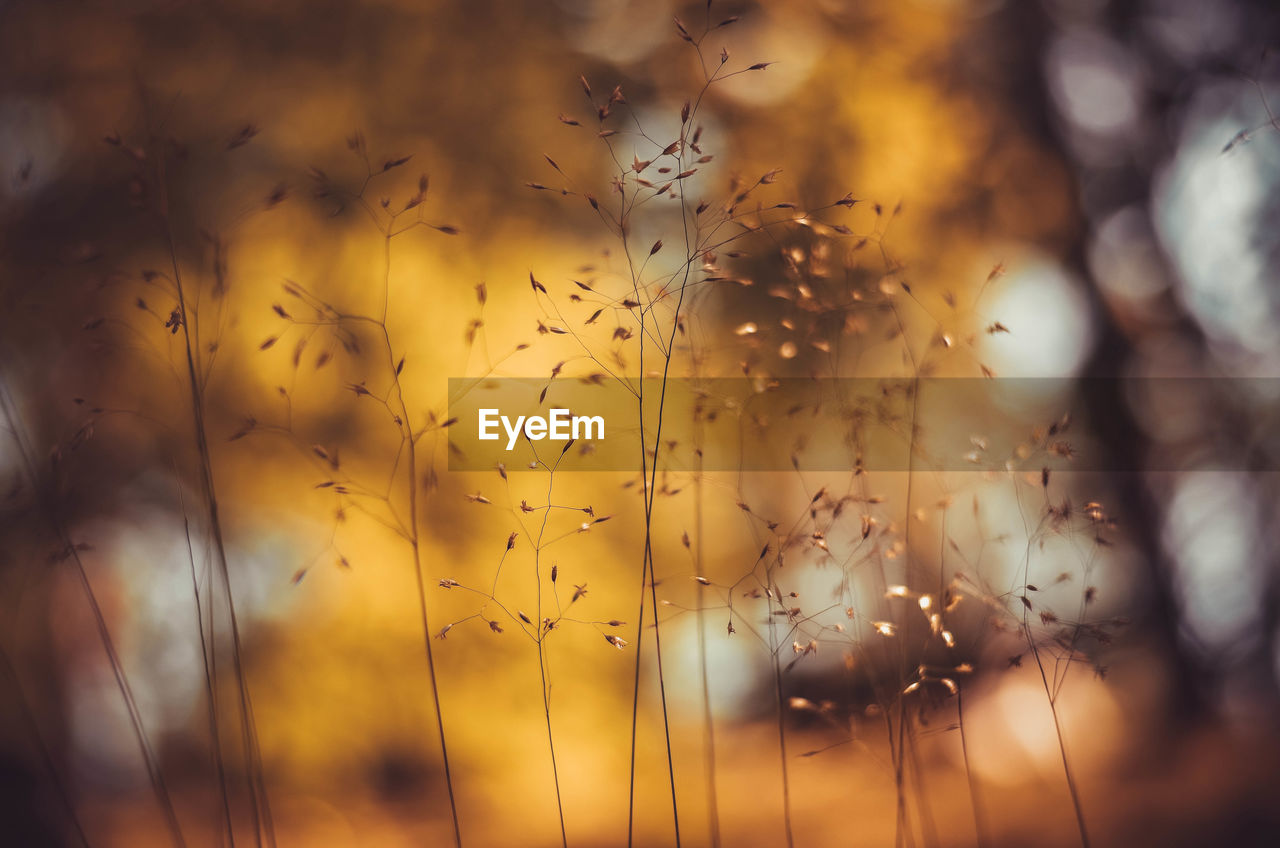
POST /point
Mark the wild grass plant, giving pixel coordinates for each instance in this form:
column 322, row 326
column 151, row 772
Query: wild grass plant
column 848, row 309
column 872, row 598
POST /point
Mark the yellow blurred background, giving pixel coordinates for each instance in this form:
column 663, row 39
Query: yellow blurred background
column 253, row 151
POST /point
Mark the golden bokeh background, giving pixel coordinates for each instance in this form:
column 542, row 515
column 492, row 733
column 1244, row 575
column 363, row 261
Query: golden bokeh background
column 227, row 145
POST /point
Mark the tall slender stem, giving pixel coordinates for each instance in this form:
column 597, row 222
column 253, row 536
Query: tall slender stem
column 9, row 410
column 708, row 720
column 415, row 532
column 542, row 655
column 979, row 825
column 259, row 805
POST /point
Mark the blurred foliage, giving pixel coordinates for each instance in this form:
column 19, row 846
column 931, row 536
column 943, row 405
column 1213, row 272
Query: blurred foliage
column 991, row 147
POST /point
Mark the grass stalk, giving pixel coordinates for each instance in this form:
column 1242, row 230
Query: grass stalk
column 211, row 701
column 415, row 538
column 782, row 728
column 542, row 654
column 708, row 720
column 259, row 803
column 154, row 774
column 979, row 824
